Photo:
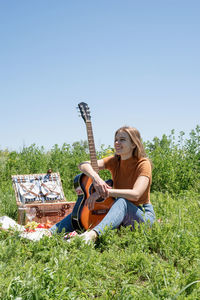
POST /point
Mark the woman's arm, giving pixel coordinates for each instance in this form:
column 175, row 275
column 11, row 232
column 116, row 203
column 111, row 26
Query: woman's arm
column 87, row 169
column 100, row 185
column 133, row 194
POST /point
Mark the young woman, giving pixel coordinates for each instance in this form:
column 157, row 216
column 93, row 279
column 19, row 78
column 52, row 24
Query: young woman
column 131, row 174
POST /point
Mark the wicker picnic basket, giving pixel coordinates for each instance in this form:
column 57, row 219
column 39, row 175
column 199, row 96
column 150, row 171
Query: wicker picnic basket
column 45, row 193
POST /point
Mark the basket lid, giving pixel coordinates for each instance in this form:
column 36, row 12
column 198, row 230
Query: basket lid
column 38, row 188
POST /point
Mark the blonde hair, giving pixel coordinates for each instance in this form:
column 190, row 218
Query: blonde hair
column 135, row 137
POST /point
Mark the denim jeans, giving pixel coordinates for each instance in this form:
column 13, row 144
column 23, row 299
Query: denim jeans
column 125, row 213
column 122, row 212
column 65, row 224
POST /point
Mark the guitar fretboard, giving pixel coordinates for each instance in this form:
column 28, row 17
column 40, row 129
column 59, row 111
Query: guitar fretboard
column 93, row 156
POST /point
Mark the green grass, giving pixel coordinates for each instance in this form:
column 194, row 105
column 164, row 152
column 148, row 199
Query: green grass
column 158, row 263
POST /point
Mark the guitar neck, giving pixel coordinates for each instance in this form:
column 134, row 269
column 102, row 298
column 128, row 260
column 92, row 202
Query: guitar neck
column 93, row 156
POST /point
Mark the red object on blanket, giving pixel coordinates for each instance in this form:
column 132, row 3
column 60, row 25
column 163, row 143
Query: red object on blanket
column 41, row 226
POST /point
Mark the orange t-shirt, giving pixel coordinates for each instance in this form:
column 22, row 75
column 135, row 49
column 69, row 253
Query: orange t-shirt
column 125, row 172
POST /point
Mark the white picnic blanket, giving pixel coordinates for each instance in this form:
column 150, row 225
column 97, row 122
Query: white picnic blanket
column 6, row 223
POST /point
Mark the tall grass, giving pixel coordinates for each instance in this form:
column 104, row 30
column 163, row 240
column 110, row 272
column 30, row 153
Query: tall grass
column 176, row 162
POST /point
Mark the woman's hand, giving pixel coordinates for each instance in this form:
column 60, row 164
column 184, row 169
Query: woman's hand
column 101, row 187
column 90, row 201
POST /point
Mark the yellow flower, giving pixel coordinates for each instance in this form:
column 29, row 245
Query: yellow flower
column 108, row 153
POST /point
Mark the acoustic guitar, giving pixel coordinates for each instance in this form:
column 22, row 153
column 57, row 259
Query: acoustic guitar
column 82, row 217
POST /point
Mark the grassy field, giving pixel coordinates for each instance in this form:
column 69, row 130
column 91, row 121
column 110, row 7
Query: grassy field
column 158, row 263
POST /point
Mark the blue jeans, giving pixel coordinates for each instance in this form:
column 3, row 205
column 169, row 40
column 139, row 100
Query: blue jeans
column 125, row 213
column 65, row 224
column 122, row 212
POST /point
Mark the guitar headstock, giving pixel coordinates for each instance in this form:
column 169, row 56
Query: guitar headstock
column 84, row 111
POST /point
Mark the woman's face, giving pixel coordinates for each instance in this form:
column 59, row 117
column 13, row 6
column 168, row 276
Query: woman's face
column 123, row 145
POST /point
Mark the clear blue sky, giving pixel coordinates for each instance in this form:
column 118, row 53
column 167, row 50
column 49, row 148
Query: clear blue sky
column 134, row 62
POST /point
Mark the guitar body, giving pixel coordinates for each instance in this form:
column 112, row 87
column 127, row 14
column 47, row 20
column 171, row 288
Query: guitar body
column 82, row 217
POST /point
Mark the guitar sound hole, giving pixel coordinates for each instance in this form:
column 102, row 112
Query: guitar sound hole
column 100, row 199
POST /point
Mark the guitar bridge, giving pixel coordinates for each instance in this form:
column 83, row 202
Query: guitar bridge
column 100, row 211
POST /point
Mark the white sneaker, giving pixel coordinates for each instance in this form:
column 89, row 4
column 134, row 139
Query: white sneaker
column 87, row 237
